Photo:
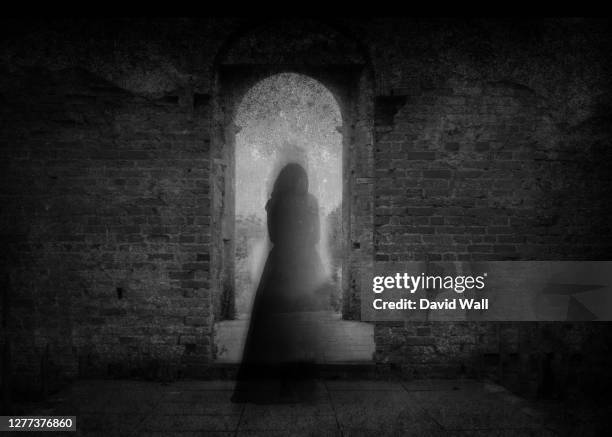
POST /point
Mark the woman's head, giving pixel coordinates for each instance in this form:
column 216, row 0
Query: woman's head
column 292, row 179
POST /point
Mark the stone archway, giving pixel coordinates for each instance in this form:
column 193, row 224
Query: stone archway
column 287, row 118
column 337, row 61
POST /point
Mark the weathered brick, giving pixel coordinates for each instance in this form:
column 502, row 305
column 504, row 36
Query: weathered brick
column 437, row 174
column 420, row 156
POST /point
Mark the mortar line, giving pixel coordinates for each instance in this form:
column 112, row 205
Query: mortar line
column 136, row 429
column 423, row 409
column 333, row 408
column 239, row 420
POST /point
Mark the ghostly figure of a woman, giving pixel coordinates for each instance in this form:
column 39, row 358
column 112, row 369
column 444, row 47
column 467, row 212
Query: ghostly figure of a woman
column 280, row 349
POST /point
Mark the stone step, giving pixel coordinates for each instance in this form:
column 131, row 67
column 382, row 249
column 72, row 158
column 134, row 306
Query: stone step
column 339, row 371
column 342, row 341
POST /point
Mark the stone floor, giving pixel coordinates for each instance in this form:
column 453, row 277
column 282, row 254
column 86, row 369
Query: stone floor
column 340, row 340
column 343, row 408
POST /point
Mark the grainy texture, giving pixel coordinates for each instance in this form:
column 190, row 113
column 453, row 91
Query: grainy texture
column 490, row 141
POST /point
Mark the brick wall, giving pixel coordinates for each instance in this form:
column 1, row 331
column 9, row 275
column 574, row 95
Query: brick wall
column 471, row 169
column 105, row 221
column 479, row 171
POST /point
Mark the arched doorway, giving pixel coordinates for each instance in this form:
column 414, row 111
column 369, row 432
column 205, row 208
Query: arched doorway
column 285, row 118
column 324, row 56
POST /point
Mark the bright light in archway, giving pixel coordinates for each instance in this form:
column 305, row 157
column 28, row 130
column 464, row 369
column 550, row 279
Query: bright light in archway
column 284, row 118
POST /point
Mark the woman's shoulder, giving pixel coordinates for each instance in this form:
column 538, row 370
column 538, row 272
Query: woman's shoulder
column 312, row 202
column 311, row 199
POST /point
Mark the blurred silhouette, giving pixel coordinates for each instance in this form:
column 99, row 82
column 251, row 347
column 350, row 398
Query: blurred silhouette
column 281, row 346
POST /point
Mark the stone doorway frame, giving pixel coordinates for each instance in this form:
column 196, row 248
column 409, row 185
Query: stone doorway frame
column 345, row 83
column 352, row 85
